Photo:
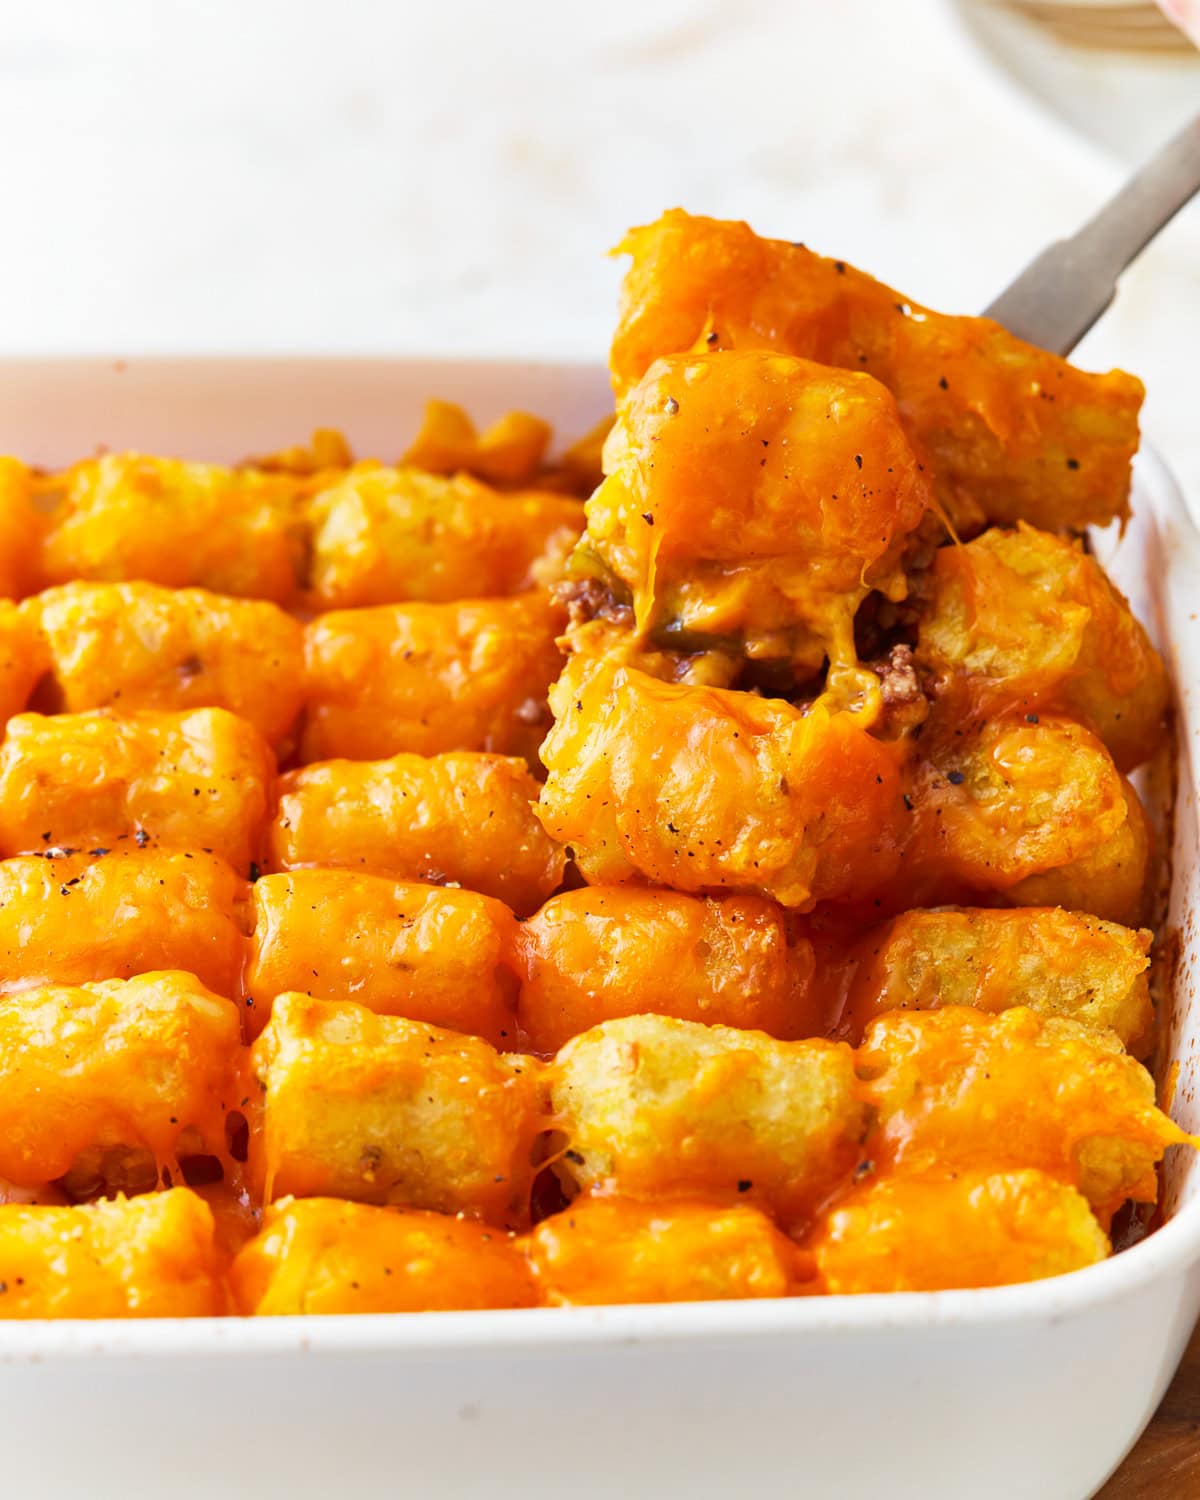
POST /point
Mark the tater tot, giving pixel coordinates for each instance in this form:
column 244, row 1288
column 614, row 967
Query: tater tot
column 463, row 818
column 123, row 1065
column 1109, row 880
column 651, row 1105
column 1055, row 962
column 326, row 449
column 146, row 1257
column 959, row 1089
column 613, row 1250
column 779, row 494
column 1014, row 432
column 386, row 1110
column 138, row 645
column 927, row 1234
column 509, row 452
column 1058, row 963
column 199, row 780
column 382, row 536
column 22, row 661
column 442, row 956
column 1031, row 813
column 128, row 516
column 431, row 677
column 71, row 919
column 21, row 528
column 1021, row 619
column 701, row 789
column 322, row 1255
column 588, row 956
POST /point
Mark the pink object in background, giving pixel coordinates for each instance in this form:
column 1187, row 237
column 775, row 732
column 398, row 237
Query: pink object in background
column 1185, row 14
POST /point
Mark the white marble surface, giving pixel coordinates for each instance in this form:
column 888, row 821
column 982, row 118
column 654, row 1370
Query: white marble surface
column 354, row 176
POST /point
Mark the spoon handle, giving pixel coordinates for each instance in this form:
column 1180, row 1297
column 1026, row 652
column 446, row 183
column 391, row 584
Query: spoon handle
column 1060, row 294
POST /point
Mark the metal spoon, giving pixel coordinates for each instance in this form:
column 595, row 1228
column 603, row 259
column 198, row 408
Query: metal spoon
column 1058, row 296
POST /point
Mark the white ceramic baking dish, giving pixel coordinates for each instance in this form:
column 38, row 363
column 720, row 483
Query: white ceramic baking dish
column 1028, row 1391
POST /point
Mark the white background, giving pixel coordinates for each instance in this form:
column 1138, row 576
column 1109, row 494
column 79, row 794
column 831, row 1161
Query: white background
column 271, row 175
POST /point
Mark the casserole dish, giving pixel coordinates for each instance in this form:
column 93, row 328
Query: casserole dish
column 1032, row 1390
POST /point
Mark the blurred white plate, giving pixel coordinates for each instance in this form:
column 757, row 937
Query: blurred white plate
column 1129, row 100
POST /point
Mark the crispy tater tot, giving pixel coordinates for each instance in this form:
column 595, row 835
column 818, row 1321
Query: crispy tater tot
column 959, row 1089
column 326, row 449
column 138, row 645
column 322, row 1255
column 1056, row 962
column 701, row 789
column 74, row 918
column 1015, row 433
column 780, row 493
column 1021, row 619
column 143, row 1064
column 129, row 516
column 926, row 1234
column 465, row 676
column 386, row 1110
column 384, row 536
column 651, row 1105
column 1110, row 881
column 590, row 955
column 614, row 1250
column 147, row 1257
column 199, row 780
column 1031, row 814
column 509, row 452
column 464, row 818
column 22, row 661
column 21, row 528
column 442, row 956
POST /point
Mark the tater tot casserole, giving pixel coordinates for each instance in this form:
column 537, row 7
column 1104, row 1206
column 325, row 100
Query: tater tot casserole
column 698, row 864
